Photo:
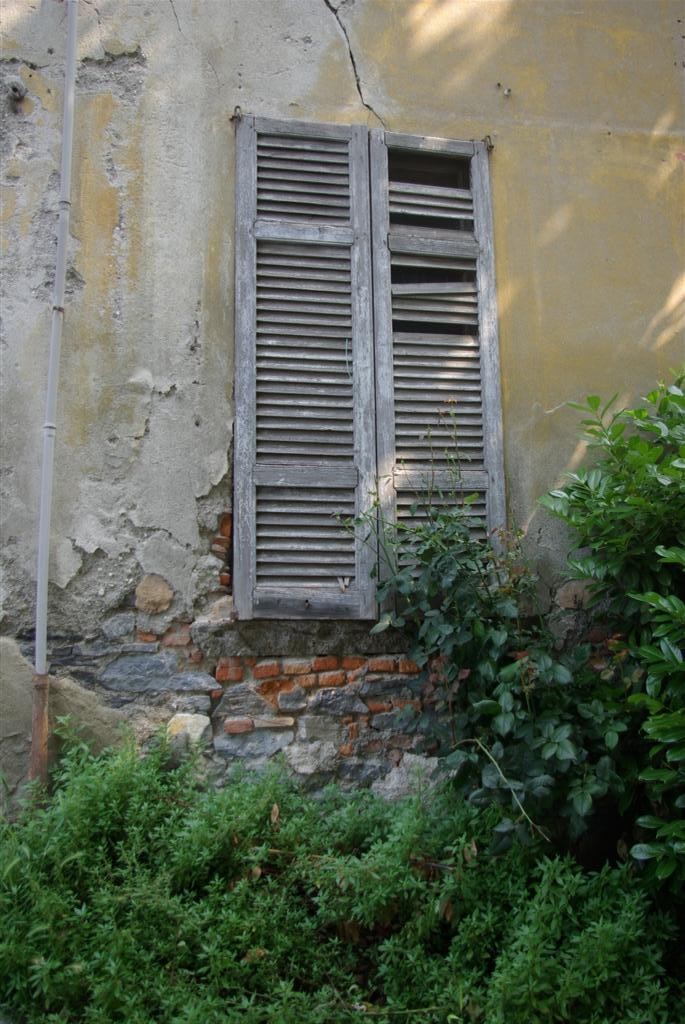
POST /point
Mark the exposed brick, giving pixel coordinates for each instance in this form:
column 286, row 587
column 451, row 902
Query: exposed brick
column 271, row 688
column 224, row 579
column 145, row 638
column 283, row 722
column 194, row 655
column 381, row 664
column 307, row 682
column 332, row 678
column 399, row 704
column 354, row 674
column 408, row 666
column 221, row 542
column 177, row 635
column 353, row 662
column 248, row 662
column 267, row 669
column 226, row 672
column 376, row 707
column 233, row 726
column 324, row 664
column 296, row 668
column 345, row 750
column 216, row 694
column 353, row 730
column 226, row 524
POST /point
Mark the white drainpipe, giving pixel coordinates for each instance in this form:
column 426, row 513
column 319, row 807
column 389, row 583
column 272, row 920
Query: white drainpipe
column 39, row 737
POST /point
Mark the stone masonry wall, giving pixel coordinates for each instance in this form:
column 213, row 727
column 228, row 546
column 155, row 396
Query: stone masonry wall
column 327, row 696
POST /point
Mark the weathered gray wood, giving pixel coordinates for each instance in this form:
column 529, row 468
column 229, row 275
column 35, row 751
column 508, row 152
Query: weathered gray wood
column 494, row 448
column 410, row 241
column 385, row 416
column 451, row 147
column 284, row 232
column 312, row 353
column 245, row 300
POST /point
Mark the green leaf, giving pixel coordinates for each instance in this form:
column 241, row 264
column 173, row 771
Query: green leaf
column 644, row 851
column 611, row 739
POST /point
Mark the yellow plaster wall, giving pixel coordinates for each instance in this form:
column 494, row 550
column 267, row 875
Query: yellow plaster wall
column 583, row 100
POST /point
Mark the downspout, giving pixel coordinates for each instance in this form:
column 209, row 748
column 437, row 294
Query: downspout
column 38, row 768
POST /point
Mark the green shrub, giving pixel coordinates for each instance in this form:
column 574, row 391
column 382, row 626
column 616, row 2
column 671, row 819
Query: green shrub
column 628, row 511
column 132, row 895
column 630, row 501
column 517, row 723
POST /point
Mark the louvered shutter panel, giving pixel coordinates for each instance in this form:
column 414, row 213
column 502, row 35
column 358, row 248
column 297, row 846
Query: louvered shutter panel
column 305, row 445
column 437, row 373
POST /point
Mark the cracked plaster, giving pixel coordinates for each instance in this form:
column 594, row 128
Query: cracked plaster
column 145, row 412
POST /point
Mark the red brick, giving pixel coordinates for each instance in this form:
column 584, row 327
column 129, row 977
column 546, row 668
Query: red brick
column 227, row 672
column 357, row 673
column 331, row 678
column 415, row 704
column 234, row 726
column 226, row 525
column 345, row 750
column 216, row 694
column 296, row 668
column 271, row 688
column 353, row 730
column 267, row 669
column 408, row 666
column 221, row 542
column 382, row 664
column 377, row 707
column 177, row 636
column 225, row 579
column 306, row 682
column 248, row 662
column 352, row 662
column 325, row 663
column 146, row 638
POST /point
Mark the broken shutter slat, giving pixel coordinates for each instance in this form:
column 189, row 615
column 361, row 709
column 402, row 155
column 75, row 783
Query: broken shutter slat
column 308, row 450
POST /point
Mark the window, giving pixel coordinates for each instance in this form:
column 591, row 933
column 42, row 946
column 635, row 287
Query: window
column 366, row 341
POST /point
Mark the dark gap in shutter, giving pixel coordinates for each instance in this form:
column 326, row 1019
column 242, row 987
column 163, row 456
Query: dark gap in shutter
column 429, row 191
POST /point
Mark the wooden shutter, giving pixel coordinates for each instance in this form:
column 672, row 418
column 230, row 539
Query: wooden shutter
column 437, row 373
column 304, row 442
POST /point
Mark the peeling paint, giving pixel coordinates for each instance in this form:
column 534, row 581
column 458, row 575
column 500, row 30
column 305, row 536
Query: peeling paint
column 588, row 190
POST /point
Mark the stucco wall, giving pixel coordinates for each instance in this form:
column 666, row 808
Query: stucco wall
column 583, row 101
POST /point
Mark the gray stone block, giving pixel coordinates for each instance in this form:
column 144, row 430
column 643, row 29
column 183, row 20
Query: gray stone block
column 240, row 701
column 259, row 744
column 339, row 700
column 292, row 700
column 152, row 673
column 116, row 627
column 320, row 727
column 312, row 758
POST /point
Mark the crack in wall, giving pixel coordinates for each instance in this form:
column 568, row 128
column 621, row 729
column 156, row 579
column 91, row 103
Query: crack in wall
column 353, row 62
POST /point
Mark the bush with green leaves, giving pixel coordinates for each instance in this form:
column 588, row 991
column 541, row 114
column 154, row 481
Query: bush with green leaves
column 515, row 722
column 628, row 511
column 134, row 895
column 631, row 499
